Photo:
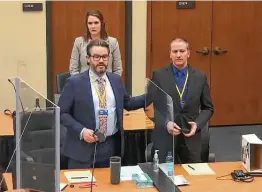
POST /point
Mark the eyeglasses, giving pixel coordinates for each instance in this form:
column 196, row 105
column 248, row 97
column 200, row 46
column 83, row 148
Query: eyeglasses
column 98, row 57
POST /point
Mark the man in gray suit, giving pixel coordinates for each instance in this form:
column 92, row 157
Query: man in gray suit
column 190, row 93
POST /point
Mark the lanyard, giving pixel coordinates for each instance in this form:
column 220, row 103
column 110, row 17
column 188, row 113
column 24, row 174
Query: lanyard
column 184, row 87
column 102, row 98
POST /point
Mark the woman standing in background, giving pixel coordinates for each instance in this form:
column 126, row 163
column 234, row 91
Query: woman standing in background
column 95, row 29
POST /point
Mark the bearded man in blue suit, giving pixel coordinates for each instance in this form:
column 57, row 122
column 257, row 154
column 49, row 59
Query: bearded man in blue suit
column 94, row 100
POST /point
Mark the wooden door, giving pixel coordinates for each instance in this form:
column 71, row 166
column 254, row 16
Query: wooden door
column 168, row 22
column 68, row 22
column 235, row 75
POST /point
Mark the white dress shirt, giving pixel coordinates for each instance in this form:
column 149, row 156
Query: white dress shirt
column 110, row 103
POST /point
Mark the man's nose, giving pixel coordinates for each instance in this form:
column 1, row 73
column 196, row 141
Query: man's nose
column 178, row 54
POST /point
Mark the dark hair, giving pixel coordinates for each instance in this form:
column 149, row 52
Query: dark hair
column 96, row 42
column 98, row 14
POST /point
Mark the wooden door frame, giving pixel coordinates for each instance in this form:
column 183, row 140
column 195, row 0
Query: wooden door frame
column 128, row 48
column 149, row 40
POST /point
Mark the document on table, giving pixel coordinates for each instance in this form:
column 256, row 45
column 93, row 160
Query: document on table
column 127, row 171
column 198, row 169
column 62, row 186
column 177, row 179
column 79, row 176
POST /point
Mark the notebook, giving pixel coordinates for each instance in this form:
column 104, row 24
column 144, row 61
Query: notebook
column 79, row 177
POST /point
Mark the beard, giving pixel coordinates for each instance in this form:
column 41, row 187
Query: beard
column 101, row 68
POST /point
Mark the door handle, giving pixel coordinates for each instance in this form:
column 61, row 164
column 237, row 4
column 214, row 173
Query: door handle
column 204, row 51
column 218, row 51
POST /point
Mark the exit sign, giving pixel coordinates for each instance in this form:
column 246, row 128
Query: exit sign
column 185, row 4
column 32, row 6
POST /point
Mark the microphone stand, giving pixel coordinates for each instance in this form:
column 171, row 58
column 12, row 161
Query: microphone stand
column 93, row 169
column 19, row 95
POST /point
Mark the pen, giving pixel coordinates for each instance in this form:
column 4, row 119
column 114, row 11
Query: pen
column 79, row 177
column 191, row 167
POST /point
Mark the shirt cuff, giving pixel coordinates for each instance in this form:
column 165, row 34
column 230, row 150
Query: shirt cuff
column 81, row 134
column 166, row 122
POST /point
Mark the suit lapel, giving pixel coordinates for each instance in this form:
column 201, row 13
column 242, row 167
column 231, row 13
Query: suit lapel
column 190, row 84
column 171, row 85
column 88, row 92
column 114, row 87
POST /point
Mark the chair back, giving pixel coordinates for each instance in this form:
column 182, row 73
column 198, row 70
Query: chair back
column 205, row 138
column 206, row 156
column 60, row 81
column 38, row 133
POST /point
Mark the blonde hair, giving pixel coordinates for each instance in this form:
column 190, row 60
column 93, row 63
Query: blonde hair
column 181, row 40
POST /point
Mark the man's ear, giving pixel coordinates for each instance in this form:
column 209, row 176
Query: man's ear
column 88, row 59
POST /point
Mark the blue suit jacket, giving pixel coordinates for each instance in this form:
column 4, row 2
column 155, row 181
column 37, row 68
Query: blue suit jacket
column 77, row 111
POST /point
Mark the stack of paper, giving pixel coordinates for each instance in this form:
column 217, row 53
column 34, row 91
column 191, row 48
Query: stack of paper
column 79, row 176
column 128, row 171
column 198, row 169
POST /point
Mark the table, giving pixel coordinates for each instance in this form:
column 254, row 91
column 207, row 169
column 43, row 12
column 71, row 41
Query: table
column 6, row 125
column 137, row 128
column 136, row 120
column 133, row 120
column 103, row 183
column 207, row 183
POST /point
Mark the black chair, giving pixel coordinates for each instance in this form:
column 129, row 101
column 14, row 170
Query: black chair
column 206, row 156
column 60, row 81
column 38, row 132
column 38, row 140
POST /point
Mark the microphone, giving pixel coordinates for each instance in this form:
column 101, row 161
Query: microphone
column 101, row 138
column 19, row 96
column 37, row 105
column 93, row 167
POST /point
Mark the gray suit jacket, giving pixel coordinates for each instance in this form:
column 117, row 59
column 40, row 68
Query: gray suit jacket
column 198, row 108
column 78, row 61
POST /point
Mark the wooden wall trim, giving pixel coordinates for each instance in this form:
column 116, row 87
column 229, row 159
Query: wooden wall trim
column 149, row 39
column 49, row 51
column 128, row 46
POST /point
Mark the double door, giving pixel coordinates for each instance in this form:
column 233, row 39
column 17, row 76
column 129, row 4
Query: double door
column 226, row 42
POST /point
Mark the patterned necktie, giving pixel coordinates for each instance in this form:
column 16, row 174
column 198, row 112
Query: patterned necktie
column 102, row 105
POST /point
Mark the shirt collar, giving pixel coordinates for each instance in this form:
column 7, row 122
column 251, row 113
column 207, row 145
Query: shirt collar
column 176, row 70
column 89, row 39
column 95, row 76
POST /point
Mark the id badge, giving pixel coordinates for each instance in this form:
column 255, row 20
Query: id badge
column 103, row 112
